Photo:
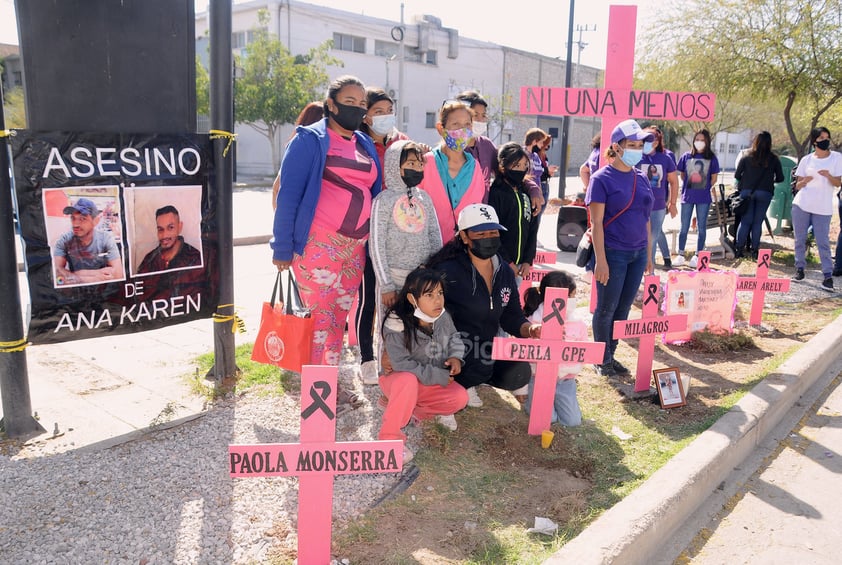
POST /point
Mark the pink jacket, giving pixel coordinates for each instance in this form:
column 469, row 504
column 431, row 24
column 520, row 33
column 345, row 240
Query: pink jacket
column 433, row 186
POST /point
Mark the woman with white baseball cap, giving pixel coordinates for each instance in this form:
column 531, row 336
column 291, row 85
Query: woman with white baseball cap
column 482, row 297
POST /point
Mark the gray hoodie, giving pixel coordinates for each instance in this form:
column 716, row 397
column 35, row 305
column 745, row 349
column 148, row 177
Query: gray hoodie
column 429, row 352
column 404, row 227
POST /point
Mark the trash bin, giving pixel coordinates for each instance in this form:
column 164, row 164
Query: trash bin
column 780, row 209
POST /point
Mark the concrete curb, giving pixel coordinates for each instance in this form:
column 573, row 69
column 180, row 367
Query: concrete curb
column 635, row 529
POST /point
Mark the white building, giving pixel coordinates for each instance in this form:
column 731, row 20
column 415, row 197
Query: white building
column 438, row 63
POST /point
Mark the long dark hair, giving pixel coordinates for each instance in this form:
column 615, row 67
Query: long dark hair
column 708, row 152
column 419, row 281
column 761, row 149
column 453, row 248
column 533, row 297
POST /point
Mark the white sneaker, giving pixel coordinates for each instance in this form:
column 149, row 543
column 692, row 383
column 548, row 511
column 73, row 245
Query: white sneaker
column 678, row 261
column 407, row 455
column 694, row 261
column 474, row 401
column 369, row 373
column 448, row 422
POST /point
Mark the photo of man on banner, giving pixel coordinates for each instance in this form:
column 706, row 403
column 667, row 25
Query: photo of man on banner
column 165, row 236
column 85, row 235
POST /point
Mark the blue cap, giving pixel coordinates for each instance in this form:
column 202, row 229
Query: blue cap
column 83, row 206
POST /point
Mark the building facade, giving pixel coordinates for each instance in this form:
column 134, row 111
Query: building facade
column 437, row 63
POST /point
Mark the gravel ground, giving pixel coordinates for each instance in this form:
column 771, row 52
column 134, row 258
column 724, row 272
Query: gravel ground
column 167, row 498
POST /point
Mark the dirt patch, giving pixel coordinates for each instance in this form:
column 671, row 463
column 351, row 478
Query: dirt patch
column 489, row 478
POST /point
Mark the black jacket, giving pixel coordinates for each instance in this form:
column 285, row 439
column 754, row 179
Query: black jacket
column 514, row 209
column 477, row 315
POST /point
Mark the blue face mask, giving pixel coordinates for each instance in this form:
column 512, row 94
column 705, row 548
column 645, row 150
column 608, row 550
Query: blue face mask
column 648, row 148
column 631, row 157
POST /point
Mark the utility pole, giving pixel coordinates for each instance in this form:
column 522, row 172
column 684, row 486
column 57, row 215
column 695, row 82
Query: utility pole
column 14, row 379
column 581, row 46
column 222, row 118
column 401, row 97
column 565, row 128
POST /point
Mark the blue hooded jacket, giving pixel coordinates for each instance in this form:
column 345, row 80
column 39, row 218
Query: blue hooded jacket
column 301, row 184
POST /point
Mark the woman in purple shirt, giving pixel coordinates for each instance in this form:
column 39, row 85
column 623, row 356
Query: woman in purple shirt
column 698, row 168
column 659, row 167
column 620, row 201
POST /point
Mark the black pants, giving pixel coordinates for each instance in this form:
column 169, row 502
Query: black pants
column 364, row 319
column 506, row 375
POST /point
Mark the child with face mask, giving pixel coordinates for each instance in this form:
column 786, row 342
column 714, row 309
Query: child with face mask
column 426, row 353
column 404, row 228
column 510, row 200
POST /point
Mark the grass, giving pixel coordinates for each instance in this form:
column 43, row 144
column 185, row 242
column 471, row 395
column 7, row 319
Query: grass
column 249, row 374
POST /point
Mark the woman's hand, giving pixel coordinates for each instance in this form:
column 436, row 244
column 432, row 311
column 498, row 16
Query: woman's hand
column 385, row 363
column 389, row 298
column 600, row 273
column 281, row 265
column 673, row 209
column 524, row 269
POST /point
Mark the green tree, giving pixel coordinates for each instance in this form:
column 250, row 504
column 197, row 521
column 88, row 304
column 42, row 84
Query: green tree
column 275, row 85
column 14, row 109
column 759, row 56
column 202, row 89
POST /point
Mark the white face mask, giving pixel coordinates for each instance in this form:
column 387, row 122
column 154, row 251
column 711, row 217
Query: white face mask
column 383, row 125
column 418, row 313
column 699, row 145
column 424, row 317
column 480, row 128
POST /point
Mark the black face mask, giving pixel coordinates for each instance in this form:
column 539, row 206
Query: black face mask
column 485, row 248
column 412, row 177
column 824, row 144
column 348, row 117
column 515, row 177
column 536, row 149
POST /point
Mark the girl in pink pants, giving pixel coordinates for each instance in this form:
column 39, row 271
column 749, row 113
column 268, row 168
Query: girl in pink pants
column 425, row 351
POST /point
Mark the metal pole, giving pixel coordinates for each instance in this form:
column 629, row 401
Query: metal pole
column 401, row 97
column 565, row 128
column 14, row 378
column 222, row 118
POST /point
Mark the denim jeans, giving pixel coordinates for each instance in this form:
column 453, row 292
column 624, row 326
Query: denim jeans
column 751, row 222
column 566, row 409
column 838, row 265
column 801, row 222
column 701, row 224
column 614, row 300
column 656, row 227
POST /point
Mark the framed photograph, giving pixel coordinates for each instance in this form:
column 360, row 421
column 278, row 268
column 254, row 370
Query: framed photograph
column 670, row 388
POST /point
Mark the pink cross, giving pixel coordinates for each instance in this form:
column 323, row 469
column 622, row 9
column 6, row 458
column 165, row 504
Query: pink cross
column 760, row 284
column 548, row 352
column 315, row 461
column 646, row 328
column 617, row 101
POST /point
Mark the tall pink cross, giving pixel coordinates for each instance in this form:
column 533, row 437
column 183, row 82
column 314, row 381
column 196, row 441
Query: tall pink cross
column 649, row 325
column 760, row 284
column 315, row 461
column 548, row 352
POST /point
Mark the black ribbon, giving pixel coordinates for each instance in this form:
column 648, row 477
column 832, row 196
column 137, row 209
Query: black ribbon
column 652, row 294
column 319, row 400
column 557, row 306
column 703, row 263
column 764, row 260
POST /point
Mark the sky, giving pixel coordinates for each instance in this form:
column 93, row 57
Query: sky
column 540, row 27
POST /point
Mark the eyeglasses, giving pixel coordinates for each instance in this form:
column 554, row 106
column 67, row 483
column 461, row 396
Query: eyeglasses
column 464, row 103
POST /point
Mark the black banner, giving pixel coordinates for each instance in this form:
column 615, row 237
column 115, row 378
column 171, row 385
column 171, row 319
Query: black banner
column 119, row 231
